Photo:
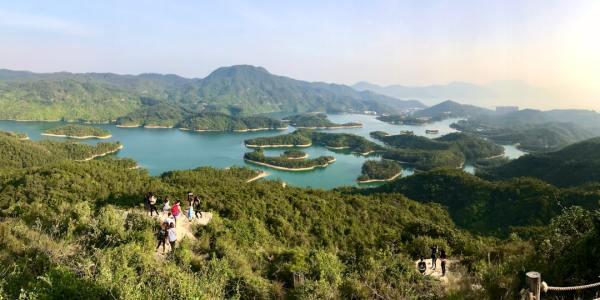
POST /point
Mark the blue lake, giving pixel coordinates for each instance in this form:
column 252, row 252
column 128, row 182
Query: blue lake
column 160, row 150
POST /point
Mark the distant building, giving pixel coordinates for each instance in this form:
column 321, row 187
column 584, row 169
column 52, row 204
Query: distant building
column 506, row 109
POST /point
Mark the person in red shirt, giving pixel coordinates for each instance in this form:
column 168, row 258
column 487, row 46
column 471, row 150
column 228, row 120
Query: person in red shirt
column 176, row 210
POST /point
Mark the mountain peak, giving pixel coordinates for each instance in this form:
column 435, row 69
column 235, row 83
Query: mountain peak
column 238, row 70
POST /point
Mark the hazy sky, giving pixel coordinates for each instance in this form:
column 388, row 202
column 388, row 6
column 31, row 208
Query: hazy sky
column 552, row 44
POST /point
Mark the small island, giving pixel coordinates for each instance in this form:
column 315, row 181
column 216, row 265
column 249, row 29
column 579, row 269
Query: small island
column 294, row 154
column 318, row 121
column 405, row 120
column 285, row 163
column 294, row 139
column 379, row 171
column 76, row 131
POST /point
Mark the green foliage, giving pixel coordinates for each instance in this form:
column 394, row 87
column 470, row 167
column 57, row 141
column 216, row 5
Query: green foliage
column 295, row 138
column 379, row 170
column 491, row 207
column 222, row 122
column 404, row 120
column 575, row 165
column 285, row 162
column 532, row 137
column 76, row 130
column 17, row 153
column 316, row 121
column 293, row 154
column 163, row 100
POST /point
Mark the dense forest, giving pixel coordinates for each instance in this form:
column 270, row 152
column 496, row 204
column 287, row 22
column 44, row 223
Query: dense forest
column 76, row 230
column 308, row 137
column 574, row 165
column 285, row 162
column 451, row 150
column 161, row 100
column 319, row 120
column 533, row 137
column 404, row 119
column 18, row 153
column 382, row 170
column 78, row 131
column 294, row 154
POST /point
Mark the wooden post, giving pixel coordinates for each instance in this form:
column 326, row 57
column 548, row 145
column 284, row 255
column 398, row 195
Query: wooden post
column 534, row 283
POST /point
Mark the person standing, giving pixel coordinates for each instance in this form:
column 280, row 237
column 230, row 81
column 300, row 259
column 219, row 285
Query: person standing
column 422, row 266
column 172, row 236
column 197, row 208
column 166, row 206
column 162, row 236
column 176, row 210
column 443, row 259
column 434, row 250
column 152, row 204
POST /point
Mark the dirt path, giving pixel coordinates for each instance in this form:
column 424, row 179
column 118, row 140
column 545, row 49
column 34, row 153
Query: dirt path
column 184, row 227
column 451, row 277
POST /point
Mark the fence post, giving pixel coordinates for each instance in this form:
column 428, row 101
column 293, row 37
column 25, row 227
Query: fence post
column 534, row 283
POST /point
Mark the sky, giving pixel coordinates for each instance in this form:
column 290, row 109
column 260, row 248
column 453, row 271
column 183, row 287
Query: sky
column 550, row 44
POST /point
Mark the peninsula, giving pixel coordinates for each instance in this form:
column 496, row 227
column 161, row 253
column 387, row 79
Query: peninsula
column 76, row 131
column 379, row 171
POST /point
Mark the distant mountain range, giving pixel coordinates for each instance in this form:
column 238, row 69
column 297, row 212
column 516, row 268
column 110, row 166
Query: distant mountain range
column 506, row 92
column 235, row 90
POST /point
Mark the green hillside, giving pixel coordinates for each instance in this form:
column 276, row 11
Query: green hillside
column 574, row 165
column 162, row 100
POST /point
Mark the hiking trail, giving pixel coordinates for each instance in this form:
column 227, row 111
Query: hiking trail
column 451, row 278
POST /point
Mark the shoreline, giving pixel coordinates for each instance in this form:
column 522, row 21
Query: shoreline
column 101, row 154
column 156, row 127
column 290, row 169
column 234, row 130
column 381, row 180
column 129, row 126
column 305, row 156
column 278, row 146
column 260, row 175
column 83, row 137
column 329, row 127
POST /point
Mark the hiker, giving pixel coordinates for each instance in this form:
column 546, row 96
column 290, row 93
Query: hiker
column 147, row 200
column 169, row 220
column 166, row 206
column 162, row 236
column 152, row 204
column 176, row 210
column 422, row 266
column 172, row 235
column 190, row 198
column 197, row 208
column 190, row 213
column 443, row 259
column 434, row 250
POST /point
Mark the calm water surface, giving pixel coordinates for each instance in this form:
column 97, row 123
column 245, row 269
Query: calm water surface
column 160, row 150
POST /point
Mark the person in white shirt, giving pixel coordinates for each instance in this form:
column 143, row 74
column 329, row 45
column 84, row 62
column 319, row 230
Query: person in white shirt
column 166, row 206
column 172, row 235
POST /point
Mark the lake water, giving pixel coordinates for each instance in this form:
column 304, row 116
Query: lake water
column 160, row 150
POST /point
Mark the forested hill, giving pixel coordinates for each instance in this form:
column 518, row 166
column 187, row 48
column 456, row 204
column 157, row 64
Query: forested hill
column 243, row 89
column 574, row 165
column 451, row 109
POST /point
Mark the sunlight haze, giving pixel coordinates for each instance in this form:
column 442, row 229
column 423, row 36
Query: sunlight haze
column 551, row 45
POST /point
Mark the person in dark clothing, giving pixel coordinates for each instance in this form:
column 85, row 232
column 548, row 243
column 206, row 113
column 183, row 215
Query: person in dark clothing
column 197, row 208
column 443, row 259
column 162, row 236
column 422, row 266
column 434, row 251
column 152, row 204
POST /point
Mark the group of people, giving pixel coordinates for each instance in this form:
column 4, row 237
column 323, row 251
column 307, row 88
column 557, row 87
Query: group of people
column 168, row 230
column 422, row 266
